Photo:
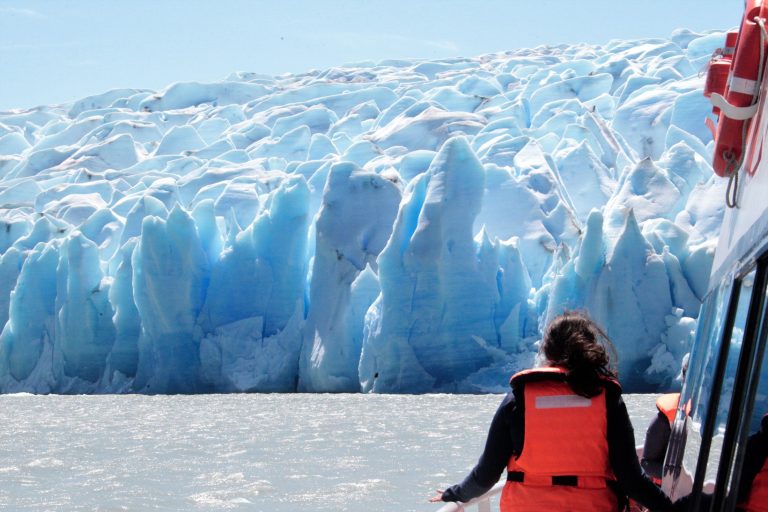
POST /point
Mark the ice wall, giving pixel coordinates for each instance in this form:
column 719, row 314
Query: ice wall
column 402, row 226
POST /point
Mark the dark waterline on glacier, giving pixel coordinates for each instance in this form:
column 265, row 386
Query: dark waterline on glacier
column 278, row 452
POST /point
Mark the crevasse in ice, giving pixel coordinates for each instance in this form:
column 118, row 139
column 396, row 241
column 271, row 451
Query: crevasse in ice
column 405, row 226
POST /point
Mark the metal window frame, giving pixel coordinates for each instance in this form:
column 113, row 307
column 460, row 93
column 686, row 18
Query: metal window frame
column 741, row 403
column 714, row 402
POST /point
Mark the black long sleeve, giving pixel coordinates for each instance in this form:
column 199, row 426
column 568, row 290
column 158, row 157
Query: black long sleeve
column 493, row 461
column 623, row 458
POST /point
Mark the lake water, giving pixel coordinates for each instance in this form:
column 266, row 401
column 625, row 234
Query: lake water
column 279, row 452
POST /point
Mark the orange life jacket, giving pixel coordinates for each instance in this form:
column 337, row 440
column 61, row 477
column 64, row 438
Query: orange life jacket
column 667, row 404
column 758, row 493
column 564, row 462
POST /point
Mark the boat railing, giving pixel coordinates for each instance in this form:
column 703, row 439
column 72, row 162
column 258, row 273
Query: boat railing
column 483, row 503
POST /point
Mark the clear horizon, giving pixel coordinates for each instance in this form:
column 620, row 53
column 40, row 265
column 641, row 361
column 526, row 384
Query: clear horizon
column 55, row 52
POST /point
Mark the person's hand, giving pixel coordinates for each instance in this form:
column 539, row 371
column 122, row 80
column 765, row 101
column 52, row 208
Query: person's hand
column 437, row 497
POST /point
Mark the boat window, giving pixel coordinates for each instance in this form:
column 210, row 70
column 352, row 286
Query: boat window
column 726, row 392
column 686, row 437
column 752, row 442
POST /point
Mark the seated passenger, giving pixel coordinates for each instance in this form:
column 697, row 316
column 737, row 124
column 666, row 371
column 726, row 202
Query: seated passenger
column 657, row 435
column 563, row 433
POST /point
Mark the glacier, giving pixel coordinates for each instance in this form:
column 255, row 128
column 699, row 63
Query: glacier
column 405, row 226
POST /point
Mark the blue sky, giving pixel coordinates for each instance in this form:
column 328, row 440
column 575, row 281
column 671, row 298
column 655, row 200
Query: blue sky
column 54, row 51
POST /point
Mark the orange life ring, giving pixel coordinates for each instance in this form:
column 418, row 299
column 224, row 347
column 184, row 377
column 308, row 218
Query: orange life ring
column 739, row 103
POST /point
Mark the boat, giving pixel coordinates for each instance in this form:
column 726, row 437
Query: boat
column 725, row 394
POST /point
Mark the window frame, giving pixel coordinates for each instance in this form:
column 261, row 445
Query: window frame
column 708, row 427
column 746, row 383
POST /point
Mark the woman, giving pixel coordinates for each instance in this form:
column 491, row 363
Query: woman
column 563, row 433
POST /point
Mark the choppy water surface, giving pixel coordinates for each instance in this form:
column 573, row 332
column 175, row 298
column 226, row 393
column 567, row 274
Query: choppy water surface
column 242, row 452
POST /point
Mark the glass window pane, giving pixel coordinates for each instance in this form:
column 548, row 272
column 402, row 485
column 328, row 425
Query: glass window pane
column 726, row 394
column 753, row 456
column 697, row 389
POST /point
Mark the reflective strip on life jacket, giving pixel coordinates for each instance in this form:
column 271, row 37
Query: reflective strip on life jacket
column 758, row 493
column 565, row 436
column 667, row 405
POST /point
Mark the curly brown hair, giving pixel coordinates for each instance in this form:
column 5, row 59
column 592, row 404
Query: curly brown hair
column 577, row 344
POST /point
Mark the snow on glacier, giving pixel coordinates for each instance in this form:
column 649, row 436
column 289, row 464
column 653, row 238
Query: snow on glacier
column 401, row 226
